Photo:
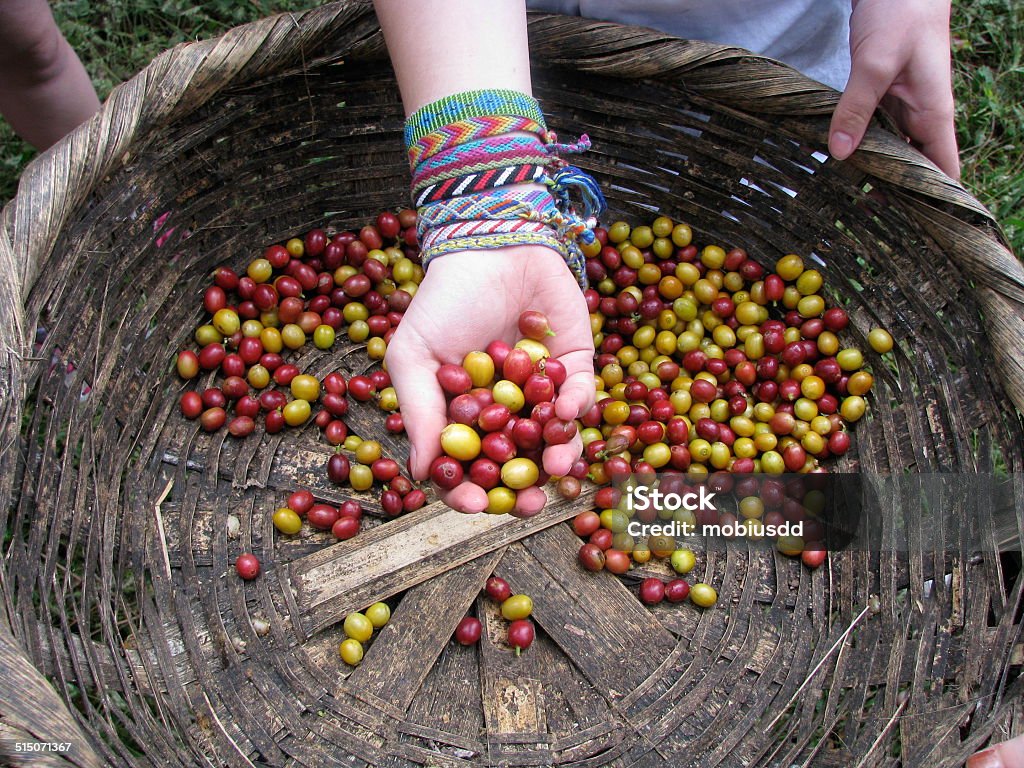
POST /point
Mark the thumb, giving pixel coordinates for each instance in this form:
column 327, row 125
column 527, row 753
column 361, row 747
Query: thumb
column 867, row 85
column 422, row 405
column 1006, row 755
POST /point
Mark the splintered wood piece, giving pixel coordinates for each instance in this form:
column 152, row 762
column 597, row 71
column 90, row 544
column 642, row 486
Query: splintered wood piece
column 408, row 551
column 408, row 645
column 446, row 709
column 513, row 691
column 595, row 619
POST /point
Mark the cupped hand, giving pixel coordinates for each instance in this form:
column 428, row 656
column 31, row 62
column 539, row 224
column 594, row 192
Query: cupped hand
column 900, row 58
column 467, row 300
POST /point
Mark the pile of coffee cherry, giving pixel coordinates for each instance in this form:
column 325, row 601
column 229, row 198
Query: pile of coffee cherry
column 710, row 369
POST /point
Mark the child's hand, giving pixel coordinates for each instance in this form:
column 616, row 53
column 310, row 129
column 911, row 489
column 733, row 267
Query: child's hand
column 467, row 300
column 900, row 57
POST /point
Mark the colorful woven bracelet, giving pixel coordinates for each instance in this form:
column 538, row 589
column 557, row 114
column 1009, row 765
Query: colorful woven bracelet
column 471, row 129
column 470, row 154
column 514, row 207
column 437, row 238
column 491, row 103
column 545, row 238
column 494, row 152
column 436, row 222
column 508, row 218
column 486, row 206
column 478, row 181
column 518, row 203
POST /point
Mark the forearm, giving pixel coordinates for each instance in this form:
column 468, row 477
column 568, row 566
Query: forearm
column 441, row 47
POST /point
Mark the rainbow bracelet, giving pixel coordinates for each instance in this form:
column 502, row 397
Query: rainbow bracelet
column 488, row 105
column 481, row 155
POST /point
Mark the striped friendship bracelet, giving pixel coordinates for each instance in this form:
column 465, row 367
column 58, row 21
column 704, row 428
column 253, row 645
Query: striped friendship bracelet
column 486, row 153
column 486, row 206
column 471, row 129
column 478, row 181
column 490, row 104
column 456, row 224
column 543, row 237
column 439, row 236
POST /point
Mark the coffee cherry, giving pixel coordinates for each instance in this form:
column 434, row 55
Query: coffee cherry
column 247, row 566
column 703, row 595
column 677, row 590
column 468, row 631
column 534, row 325
column 521, row 634
column 446, row 472
column 652, row 591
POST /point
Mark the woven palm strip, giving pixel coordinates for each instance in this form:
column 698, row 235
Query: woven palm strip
column 150, row 644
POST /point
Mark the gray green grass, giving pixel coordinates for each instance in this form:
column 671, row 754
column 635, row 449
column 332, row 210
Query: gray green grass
column 116, row 38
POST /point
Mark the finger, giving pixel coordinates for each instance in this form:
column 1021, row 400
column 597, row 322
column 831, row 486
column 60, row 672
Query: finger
column 941, row 148
column 869, row 80
column 558, row 459
column 529, row 501
column 422, row 402
column 1009, row 754
column 577, row 392
column 575, row 397
column 466, row 497
column 930, row 127
column 574, row 348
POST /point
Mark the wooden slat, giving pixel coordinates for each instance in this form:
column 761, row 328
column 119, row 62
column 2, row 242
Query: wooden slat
column 407, row 647
column 23, row 688
column 597, row 621
column 579, row 719
column 539, row 702
column 446, row 710
column 513, row 693
column 405, row 552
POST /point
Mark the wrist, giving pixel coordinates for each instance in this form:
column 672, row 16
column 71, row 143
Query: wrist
column 499, row 272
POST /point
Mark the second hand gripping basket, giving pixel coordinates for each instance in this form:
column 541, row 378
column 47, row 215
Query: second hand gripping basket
column 124, row 632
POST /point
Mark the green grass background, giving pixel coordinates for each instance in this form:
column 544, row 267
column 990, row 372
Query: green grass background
column 116, row 39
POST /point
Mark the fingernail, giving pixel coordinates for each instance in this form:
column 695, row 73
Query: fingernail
column 841, row 145
column 412, row 460
column 985, row 759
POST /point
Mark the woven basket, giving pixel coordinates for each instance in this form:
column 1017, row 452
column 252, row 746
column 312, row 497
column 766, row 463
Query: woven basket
column 125, row 634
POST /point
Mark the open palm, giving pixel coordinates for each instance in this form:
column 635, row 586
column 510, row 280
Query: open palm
column 467, row 300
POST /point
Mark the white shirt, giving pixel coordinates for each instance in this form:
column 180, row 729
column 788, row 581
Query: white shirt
column 812, row 36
